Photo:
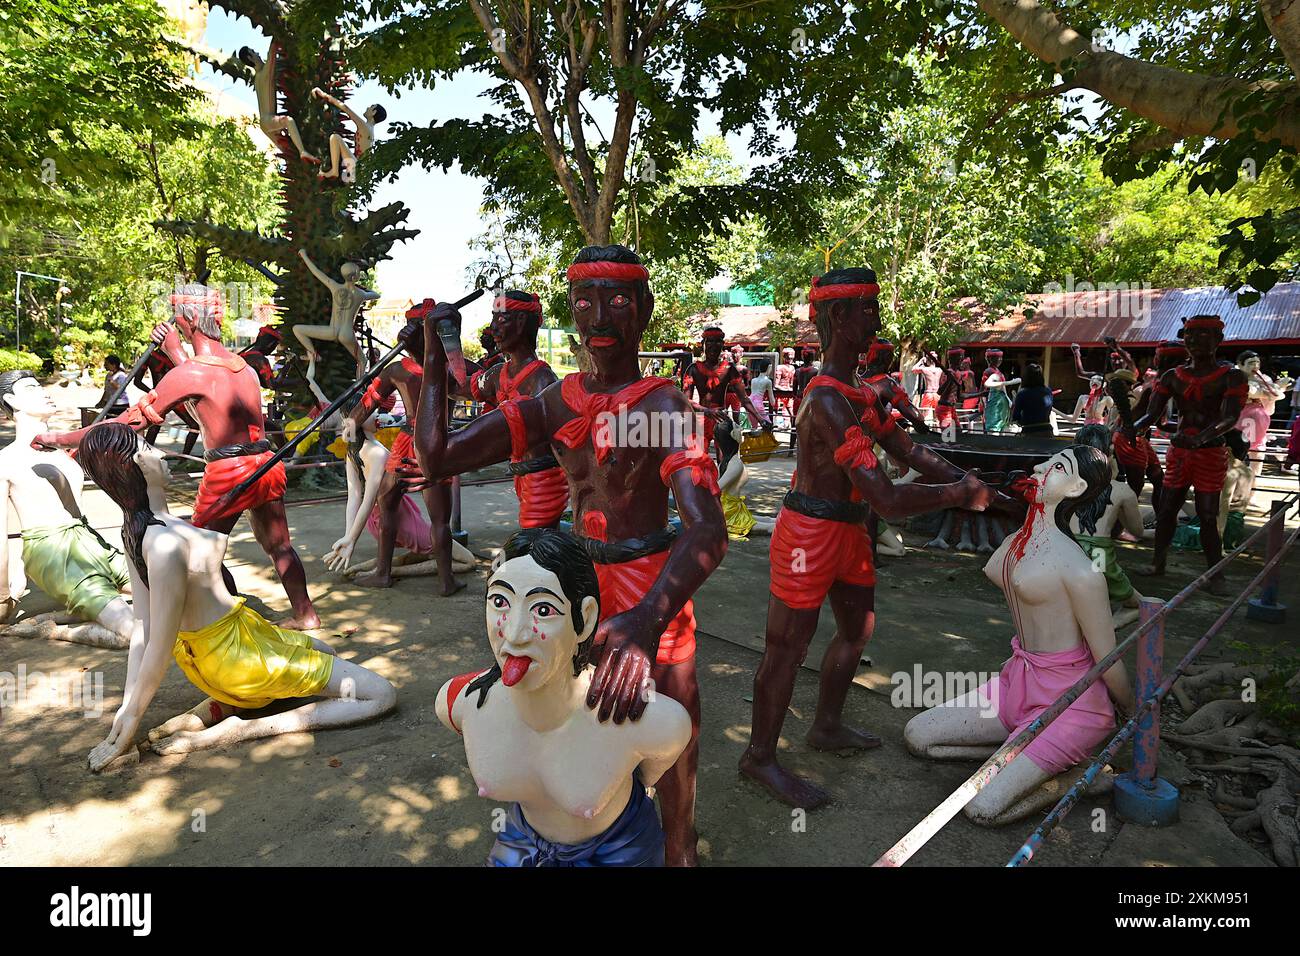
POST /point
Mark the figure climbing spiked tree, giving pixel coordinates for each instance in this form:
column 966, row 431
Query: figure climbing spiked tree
column 319, row 213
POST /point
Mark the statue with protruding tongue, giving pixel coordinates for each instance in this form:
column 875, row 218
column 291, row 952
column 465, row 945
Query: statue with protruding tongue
column 576, row 785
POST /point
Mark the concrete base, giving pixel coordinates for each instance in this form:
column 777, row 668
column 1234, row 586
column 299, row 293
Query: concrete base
column 1257, row 609
column 461, row 538
column 1151, row 806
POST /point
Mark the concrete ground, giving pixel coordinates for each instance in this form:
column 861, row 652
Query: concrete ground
column 398, row 791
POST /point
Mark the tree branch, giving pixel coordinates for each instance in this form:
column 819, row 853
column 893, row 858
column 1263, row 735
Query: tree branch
column 1187, row 104
column 1283, row 19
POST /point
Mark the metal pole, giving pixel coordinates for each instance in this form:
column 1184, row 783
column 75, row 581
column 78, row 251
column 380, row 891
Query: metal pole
column 1266, row 607
column 1141, row 796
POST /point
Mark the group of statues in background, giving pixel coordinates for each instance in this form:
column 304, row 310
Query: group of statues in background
column 592, row 696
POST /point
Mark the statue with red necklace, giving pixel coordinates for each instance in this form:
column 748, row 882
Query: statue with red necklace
column 1209, row 395
column 880, row 359
column 820, row 545
column 716, row 383
column 540, row 485
column 606, row 429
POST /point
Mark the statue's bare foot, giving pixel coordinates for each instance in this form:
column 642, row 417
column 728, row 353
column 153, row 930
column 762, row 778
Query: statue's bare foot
column 841, row 738
column 310, row 158
column 451, row 587
column 1155, row 571
column 183, row 742
column 188, row 721
column 309, row 621
column 789, row 788
column 374, row 581
column 937, row 543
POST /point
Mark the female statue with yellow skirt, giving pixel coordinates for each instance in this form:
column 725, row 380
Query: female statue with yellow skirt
column 226, row 649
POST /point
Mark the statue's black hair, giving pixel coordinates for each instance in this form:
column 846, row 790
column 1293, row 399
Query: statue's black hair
column 1099, row 437
column 7, row 382
column 107, row 453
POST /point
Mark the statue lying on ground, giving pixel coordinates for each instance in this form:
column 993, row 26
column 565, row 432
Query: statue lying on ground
column 62, row 555
column 577, row 786
column 184, row 611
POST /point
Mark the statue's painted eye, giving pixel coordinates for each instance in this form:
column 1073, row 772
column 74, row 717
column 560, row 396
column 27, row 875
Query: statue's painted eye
column 499, row 601
column 583, row 304
column 619, row 300
column 546, row 610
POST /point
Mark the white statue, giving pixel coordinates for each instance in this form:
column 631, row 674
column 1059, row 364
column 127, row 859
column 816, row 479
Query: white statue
column 225, row 648
column 365, row 471
column 741, row 522
column 347, row 298
column 1257, row 413
column 343, row 161
column 578, row 786
column 273, row 123
column 61, row 554
column 1063, row 626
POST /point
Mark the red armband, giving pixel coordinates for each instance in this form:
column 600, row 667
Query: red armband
column 518, row 430
column 143, row 412
column 454, row 687
column 703, row 471
column 474, row 390
column 856, row 452
column 371, row 399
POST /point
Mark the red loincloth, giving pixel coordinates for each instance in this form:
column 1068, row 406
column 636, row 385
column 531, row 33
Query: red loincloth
column 808, row 555
column 222, row 475
column 543, row 497
column 403, row 447
column 624, row 586
column 1138, row 454
column 945, row 414
column 1201, row 468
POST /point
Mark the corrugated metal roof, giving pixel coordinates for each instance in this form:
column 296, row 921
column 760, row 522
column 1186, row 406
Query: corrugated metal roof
column 1137, row 318
column 1142, row 317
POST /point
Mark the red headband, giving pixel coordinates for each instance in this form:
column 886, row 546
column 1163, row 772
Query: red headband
column 504, row 304
column 715, row 334
column 1211, row 322
column 627, row 271
column 860, row 290
column 1170, row 347
column 993, row 352
column 273, row 333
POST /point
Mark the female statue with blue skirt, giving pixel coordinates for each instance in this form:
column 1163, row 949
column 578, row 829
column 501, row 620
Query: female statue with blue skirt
column 576, row 786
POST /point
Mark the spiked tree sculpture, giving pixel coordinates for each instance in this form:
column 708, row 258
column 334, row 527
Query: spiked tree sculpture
column 320, row 215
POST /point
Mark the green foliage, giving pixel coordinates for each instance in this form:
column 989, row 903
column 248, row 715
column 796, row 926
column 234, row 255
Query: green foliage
column 11, row 361
column 1278, row 664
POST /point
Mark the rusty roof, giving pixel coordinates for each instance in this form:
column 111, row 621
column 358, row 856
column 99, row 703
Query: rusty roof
column 1141, row 317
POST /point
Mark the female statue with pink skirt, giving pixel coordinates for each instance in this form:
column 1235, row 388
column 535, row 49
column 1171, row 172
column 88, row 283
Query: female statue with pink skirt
column 1061, row 611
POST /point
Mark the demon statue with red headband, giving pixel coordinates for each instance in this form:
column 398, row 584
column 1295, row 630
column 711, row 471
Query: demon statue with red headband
column 402, row 469
column 224, row 395
column 540, row 484
column 1138, row 461
column 624, row 442
column 1209, row 395
column 716, row 382
column 880, row 359
column 820, row 546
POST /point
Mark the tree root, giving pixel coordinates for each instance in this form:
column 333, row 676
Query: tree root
column 1217, row 714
